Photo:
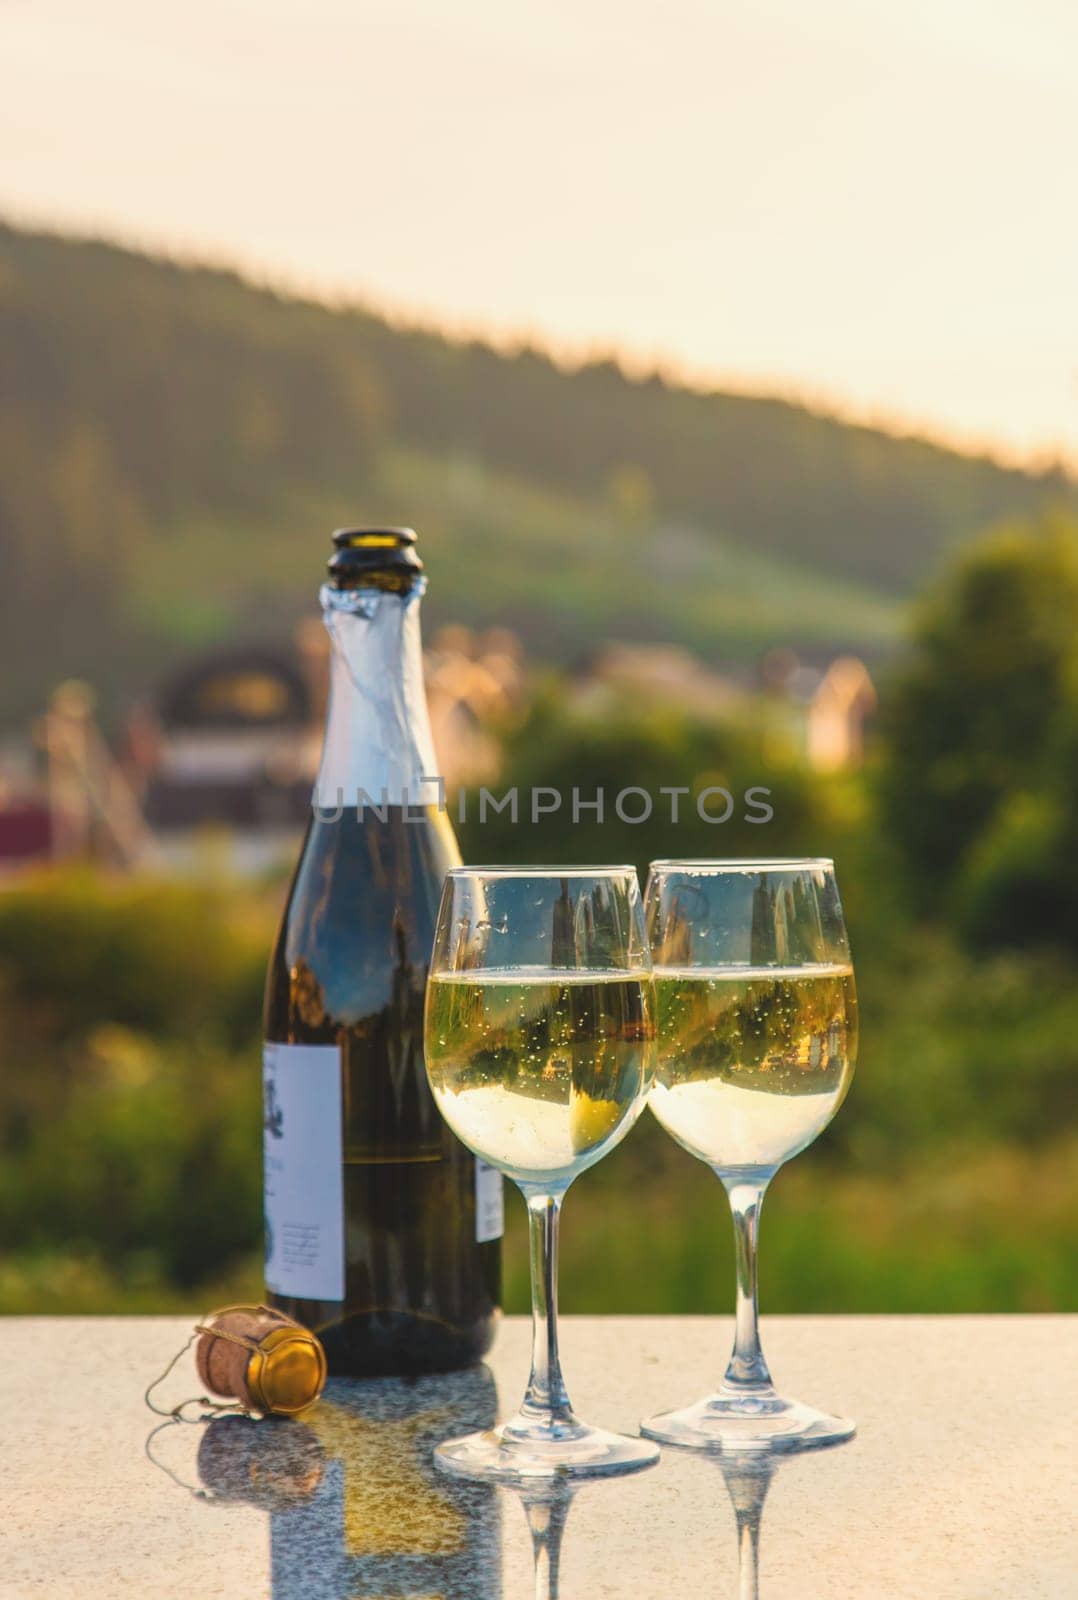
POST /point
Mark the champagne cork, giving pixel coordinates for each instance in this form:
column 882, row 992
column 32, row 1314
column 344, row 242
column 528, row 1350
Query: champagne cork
column 265, row 1360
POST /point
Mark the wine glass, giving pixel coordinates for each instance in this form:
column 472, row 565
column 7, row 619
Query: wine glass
column 757, row 1018
column 540, row 1042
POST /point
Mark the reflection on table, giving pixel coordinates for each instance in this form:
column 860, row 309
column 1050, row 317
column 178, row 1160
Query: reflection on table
column 748, row 1476
column 357, row 1507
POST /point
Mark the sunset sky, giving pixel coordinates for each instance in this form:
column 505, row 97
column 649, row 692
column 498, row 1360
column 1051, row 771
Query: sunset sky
column 868, row 205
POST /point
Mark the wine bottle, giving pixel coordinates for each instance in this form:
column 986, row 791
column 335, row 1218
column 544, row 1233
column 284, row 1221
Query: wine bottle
column 382, row 1230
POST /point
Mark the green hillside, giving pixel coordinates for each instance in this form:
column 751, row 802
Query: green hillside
column 176, row 444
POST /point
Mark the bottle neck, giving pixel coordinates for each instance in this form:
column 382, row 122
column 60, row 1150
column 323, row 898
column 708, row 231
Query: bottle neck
column 378, row 747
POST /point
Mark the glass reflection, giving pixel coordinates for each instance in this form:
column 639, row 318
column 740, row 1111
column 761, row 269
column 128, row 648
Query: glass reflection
column 748, row 1475
column 546, row 1506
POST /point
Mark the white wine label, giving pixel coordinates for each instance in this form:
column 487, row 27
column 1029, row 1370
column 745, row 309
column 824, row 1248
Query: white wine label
column 304, row 1182
column 489, row 1205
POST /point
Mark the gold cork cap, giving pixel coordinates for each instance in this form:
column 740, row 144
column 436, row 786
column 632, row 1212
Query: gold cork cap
column 287, row 1372
column 260, row 1357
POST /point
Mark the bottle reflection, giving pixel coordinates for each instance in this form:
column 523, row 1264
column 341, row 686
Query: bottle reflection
column 356, row 1505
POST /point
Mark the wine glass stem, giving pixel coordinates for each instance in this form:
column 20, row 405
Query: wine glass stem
column 747, row 1371
column 546, row 1399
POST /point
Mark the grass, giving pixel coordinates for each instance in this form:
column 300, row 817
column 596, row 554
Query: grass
column 649, row 1232
column 997, row 1230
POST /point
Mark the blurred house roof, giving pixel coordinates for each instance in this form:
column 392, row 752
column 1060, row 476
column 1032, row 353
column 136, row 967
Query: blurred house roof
column 245, row 688
column 237, row 741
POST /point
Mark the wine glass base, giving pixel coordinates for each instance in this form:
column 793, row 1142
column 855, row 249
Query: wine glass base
column 726, row 1425
column 504, row 1455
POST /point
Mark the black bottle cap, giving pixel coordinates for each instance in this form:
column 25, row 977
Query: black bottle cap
column 374, row 558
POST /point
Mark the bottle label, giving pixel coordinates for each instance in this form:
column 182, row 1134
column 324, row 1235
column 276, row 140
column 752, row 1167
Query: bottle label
column 489, row 1205
column 304, row 1182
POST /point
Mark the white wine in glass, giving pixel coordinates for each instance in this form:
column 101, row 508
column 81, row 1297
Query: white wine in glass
column 539, row 1040
column 755, row 1062
column 537, row 1070
column 757, row 1020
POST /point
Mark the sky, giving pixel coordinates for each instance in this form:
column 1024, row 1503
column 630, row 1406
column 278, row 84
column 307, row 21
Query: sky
column 868, row 206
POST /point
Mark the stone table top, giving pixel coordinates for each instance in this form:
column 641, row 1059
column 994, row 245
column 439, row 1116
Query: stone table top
column 962, row 1482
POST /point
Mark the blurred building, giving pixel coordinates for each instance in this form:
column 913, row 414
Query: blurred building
column 216, row 770
column 233, row 755
column 474, row 683
column 26, row 821
column 835, row 725
column 823, row 709
column 831, row 705
column 238, row 737
column 63, row 794
column 664, row 673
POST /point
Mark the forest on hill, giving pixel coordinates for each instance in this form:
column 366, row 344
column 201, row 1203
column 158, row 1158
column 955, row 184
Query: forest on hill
column 176, row 444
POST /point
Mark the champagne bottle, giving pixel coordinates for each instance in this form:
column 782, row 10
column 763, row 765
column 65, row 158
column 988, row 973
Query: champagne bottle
column 382, row 1230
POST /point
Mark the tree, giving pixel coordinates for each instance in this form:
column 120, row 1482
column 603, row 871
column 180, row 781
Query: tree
column 974, row 724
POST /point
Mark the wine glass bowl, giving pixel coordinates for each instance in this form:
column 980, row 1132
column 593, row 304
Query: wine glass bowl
column 539, row 1040
column 539, row 1074
column 757, row 1026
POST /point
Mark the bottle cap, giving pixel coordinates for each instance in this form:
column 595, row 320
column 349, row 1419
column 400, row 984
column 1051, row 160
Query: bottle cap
column 262, row 1358
column 287, row 1372
column 372, row 538
column 374, row 558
